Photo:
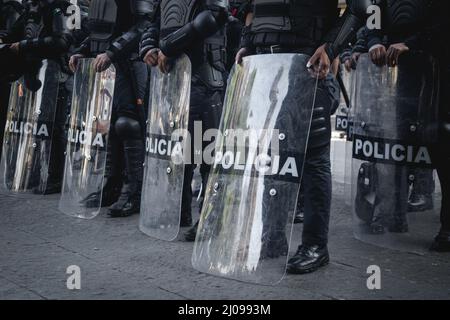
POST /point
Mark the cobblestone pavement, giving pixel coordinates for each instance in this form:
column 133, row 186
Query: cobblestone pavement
column 117, row 261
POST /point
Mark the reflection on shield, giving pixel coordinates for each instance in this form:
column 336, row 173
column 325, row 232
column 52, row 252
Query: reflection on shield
column 395, row 194
column 166, row 141
column 247, row 216
column 87, row 139
column 28, row 132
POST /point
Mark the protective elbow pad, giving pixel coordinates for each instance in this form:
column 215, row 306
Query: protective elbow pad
column 203, row 26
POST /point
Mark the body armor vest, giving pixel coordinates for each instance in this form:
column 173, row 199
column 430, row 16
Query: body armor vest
column 177, row 13
column 404, row 17
column 208, row 60
column 293, row 22
column 102, row 21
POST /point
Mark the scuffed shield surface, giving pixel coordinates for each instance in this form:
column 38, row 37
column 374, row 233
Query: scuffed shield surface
column 166, row 142
column 247, row 217
column 28, row 132
column 395, row 120
column 86, row 150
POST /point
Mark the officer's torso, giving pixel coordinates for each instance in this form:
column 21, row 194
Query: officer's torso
column 404, row 17
column 175, row 14
column 305, row 21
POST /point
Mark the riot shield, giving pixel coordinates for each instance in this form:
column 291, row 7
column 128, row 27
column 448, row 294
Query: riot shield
column 165, row 142
column 248, row 212
column 395, row 120
column 87, row 138
column 28, row 131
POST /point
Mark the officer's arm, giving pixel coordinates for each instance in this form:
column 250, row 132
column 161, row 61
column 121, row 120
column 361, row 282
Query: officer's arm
column 129, row 41
column 150, row 37
column 58, row 43
column 206, row 24
column 15, row 33
column 354, row 17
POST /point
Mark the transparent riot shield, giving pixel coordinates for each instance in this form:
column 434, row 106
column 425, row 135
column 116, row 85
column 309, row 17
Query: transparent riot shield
column 395, row 195
column 87, row 137
column 165, row 144
column 28, row 131
column 248, row 212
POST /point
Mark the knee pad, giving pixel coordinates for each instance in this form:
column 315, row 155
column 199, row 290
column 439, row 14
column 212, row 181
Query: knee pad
column 127, row 128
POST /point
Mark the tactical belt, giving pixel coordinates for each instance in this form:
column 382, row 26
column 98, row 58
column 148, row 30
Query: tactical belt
column 280, row 49
column 284, row 40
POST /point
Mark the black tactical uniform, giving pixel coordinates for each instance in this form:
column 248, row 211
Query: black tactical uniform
column 42, row 33
column 10, row 10
column 281, row 26
column 198, row 32
column 115, row 29
column 420, row 24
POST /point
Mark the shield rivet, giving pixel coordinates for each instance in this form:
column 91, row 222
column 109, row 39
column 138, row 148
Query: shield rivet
column 34, row 145
column 413, row 128
column 282, row 136
column 225, row 133
column 147, row 122
column 273, row 192
column 361, row 171
column 94, row 118
column 216, row 186
column 38, row 111
column 88, row 158
column 65, row 153
column 172, row 124
column 169, row 170
column 412, row 178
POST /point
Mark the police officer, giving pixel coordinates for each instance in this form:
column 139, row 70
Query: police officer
column 41, row 33
column 198, row 32
column 311, row 28
column 115, row 30
column 10, row 11
column 419, row 25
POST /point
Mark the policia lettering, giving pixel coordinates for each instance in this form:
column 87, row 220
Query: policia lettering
column 390, row 151
column 40, row 130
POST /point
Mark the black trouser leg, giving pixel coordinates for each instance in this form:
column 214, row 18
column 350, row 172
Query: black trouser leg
column 317, row 196
column 441, row 158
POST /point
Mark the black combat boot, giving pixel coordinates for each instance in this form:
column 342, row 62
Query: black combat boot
column 191, row 234
column 441, row 242
column 308, row 259
column 105, row 196
column 420, row 202
column 129, row 202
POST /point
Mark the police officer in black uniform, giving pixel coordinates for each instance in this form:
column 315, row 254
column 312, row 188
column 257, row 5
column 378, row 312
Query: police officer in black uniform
column 42, row 33
column 198, row 32
column 311, row 28
column 10, row 11
column 115, row 30
column 419, row 25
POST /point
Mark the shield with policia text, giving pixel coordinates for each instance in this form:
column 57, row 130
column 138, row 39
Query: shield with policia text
column 395, row 192
column 87, row 136
column 165, row 144
column 28, row 132
column 247, row 217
